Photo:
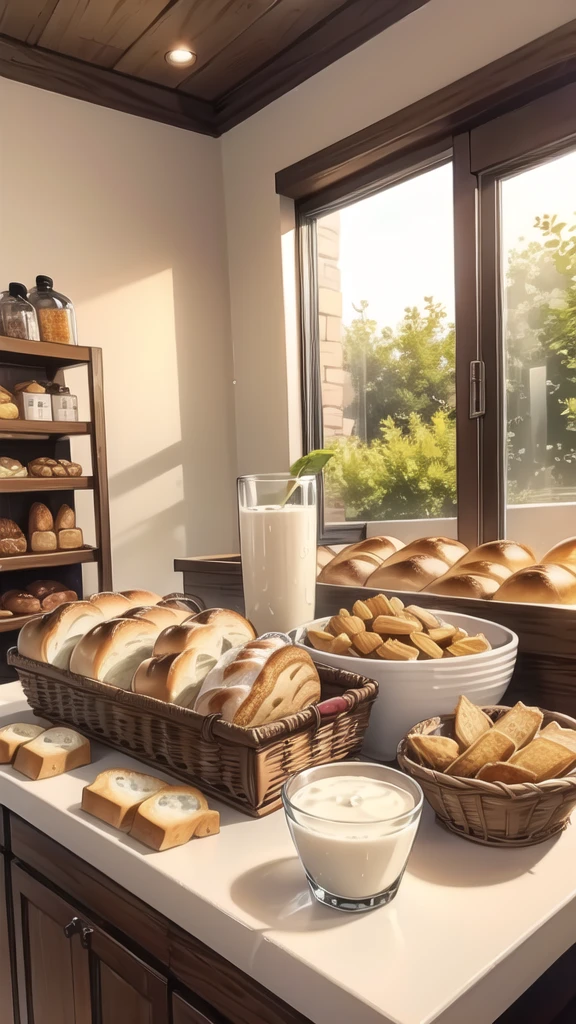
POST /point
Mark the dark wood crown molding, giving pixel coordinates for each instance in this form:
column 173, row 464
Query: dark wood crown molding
column 71, row 77
column 517, row 78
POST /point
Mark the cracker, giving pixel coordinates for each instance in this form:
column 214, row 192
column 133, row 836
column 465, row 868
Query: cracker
column 545, row 757
column 426, row 645
column 443, row 636
column 394, row 650
column 394, row 625
column 328, row 643
column 424, row 616
column 566, row 736
column 470, row 722
column 504, row 771
column 349, row 624
column 436, row 751
column 469, row 645
column 489, row 747
column 520, row 723
column 366, row 643
column 397, row 605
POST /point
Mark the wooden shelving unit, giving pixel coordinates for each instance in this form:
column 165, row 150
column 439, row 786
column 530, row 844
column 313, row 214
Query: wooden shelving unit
column 24, row 484
column 25, row 440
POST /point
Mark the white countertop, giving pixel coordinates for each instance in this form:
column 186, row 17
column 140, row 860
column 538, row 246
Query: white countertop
column 470, row 930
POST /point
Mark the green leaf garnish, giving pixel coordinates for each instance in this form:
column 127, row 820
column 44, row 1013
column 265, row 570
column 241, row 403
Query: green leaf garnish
column 311, row 464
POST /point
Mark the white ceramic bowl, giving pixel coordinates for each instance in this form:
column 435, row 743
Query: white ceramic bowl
column 412, row 691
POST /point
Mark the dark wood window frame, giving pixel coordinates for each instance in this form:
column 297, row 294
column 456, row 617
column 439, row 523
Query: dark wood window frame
column 505, row 117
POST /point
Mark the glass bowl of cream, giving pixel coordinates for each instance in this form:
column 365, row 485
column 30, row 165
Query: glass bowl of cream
column 353, row 825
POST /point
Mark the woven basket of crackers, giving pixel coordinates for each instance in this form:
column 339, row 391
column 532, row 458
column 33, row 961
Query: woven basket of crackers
column 499, row 776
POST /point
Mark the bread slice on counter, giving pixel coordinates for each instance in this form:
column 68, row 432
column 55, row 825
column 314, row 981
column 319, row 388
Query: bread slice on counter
column 53, row 636
column 113, row 650
column 259, row 683
column 115, row 794
column 177, row 678
column 172, row 817
column 161, row 617
column 53, row 752
column 13, row 736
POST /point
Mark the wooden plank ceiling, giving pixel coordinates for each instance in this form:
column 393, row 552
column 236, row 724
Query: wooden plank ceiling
column 249, row 52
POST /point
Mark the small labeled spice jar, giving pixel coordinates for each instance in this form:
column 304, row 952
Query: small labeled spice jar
column 64, row 405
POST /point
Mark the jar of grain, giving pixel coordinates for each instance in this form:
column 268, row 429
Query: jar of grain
column 17, row 315
column 56, row 316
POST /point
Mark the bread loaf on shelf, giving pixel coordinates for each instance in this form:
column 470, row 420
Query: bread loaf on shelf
column 259, row 683
column 496, row 570
column 65, row 518
column 563, row 553
column 10, row 468
column 540, row 584
column 503, row 552
column 351, row 572
column 177, row 678
column 41, row 588
column 13, row 736
column 43, row 540
column 12, row 540
column 53, row 752
column 412, row 573
column 172, row 817
column 45, row 467
column 464, row 584
column 115, row 794
column 59, row 597
column 112, row 651
column 381, row 547
column 53, row 636
column 20, row 602
column 70, row 540
column 40, row 518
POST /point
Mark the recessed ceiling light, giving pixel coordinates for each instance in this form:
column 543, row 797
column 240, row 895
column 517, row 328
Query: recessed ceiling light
column 180, row 58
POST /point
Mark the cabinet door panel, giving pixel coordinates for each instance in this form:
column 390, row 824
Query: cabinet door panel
column 125, row 990
column 52, row 970
column 184, row 1013
column 6, row 1007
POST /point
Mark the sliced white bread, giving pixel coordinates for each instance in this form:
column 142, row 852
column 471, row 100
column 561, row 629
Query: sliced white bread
column 52, row 637
column 53, row 752
column 179, row 638
column 13, row 736
column 259, row 683
column 235, row 629
column 180, row 607
column 115, row 794
column 177, row 678
column 113, row 650
column 171, row 817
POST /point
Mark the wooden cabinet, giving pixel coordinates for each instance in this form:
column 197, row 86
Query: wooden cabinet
column 71, row 972
column 184, row 1013
column 6, row 995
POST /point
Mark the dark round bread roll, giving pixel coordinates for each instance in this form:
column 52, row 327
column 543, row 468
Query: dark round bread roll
column 57, row 598
column 41, row 588
column 20, row 602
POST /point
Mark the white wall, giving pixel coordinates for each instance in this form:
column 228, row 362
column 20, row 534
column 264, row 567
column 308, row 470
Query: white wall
column 434, row 46
column 127, row 216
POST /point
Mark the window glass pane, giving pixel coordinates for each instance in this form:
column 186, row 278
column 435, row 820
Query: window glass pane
column 538, row 231
column 386, row 309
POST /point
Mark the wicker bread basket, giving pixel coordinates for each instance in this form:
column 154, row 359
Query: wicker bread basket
column 493, row 813
column 244, row 767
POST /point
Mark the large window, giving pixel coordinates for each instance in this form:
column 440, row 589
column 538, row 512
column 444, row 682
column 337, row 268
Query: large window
column 385, row 271
column 439, row 320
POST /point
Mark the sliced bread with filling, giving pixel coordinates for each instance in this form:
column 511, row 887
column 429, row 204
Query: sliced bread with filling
column 172, row 816
column 53, row 752
column 115, row 794
column 13, row 736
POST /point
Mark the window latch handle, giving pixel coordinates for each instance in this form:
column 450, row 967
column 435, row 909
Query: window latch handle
column 477, row 389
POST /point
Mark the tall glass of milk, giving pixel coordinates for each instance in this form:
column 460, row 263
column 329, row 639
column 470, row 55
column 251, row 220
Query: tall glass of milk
column 278, row 546
column 353, row 826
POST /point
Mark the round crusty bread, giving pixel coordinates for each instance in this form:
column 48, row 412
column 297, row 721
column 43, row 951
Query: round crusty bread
column 233, row 627
column 351, row 572
column 505, row 552
column 412, row 573
column 446, row 548
column 259, row 683
column 111, row 605
column 540, row 584
column 161, row 617
column 113, row 650
column 177, row 678
column 52, row 637
column 58, row 597
column 20, row 602
column 40, row 518
column 563, row 553
column 139, row 598
column 41, row 588
column 464, row 584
